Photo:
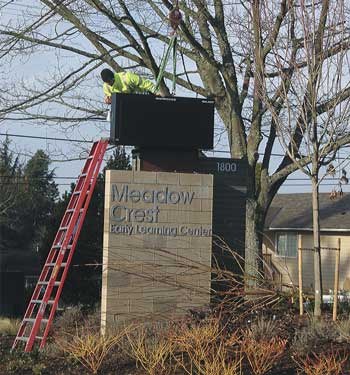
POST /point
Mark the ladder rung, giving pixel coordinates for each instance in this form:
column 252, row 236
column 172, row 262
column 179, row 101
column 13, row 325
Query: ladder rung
column 53, row 264
column 77, row 192
column 83, row 175
column 59, row 246
column 73, row 209
column 56, row 283
column 22, row 338
column 49, row 302
column 32, row 320
column 63, row 228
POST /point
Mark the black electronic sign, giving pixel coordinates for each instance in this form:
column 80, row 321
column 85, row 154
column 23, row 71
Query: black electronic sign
column 168, row 123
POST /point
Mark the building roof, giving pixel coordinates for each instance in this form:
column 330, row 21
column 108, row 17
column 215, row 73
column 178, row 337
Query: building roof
column 294, row 211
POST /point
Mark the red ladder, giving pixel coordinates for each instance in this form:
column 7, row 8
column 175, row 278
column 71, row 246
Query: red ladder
column 43, row 304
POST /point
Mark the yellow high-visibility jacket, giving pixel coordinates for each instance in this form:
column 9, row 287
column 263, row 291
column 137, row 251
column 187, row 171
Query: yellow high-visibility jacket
column 128, row 83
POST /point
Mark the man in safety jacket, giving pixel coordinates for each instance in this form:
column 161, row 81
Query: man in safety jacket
column 124, row 82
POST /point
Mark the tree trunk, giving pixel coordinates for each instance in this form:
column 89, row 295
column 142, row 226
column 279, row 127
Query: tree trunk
column 317, row 248
column 253, row 244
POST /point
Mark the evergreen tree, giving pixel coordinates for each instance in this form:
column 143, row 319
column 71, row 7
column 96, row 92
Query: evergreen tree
column 27, row 200
column 11, row 188
column 39, row 198
column 119, row 160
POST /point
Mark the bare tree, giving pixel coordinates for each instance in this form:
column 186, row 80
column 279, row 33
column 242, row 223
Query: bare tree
column 304, row 127
column 227, row 48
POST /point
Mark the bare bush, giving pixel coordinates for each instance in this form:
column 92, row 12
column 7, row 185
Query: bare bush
column 152, row 351
column 203, row 349
column 262, row 355
column 90, row 349
column 323, row 364
column 67, row 322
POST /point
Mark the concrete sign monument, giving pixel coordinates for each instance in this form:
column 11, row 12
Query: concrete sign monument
column 157, row 244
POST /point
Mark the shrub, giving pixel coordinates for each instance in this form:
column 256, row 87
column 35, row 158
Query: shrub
column 322, row 364
column 262, row 355
column 74, row 317
column 343, row 329
column 90, row 349
column 203, row 349
column 263, row 329
column 197, row 339
column 152, row 351
column 307, row 338
column 68, row 321
column 19, row 363
column 9, row 326
column 216, row 362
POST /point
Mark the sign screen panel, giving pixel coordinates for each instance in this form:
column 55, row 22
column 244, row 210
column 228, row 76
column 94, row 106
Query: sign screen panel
column 162, row 123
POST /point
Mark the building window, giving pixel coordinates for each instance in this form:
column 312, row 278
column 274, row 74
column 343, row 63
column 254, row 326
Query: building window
column 286, row 244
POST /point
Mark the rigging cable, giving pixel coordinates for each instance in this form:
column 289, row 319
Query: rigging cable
column 175, row 18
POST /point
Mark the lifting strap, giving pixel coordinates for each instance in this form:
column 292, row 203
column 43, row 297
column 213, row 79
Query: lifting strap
column 165, row 59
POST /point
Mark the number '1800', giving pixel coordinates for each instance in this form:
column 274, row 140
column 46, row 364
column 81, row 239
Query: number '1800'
column 226, row 167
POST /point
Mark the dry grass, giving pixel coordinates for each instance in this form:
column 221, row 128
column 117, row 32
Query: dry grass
column 9, row 326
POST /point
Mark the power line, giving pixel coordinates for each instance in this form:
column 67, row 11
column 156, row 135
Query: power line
column 29, row 183
column 18, row 6
column 38, row 178
column 85, row 141
column 46, row 138
column 336, row 179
